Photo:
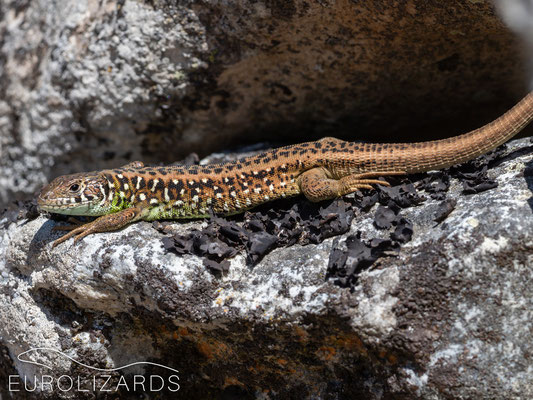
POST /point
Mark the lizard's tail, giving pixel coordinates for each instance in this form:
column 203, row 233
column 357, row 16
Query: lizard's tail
column 425, row 156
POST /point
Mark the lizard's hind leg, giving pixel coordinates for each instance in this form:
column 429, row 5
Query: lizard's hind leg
column 317, row 186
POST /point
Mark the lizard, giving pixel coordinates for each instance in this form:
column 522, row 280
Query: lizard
column 320, row 170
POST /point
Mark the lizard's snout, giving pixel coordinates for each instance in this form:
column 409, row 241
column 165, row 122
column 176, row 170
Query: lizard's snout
column 45, row 198
column 44, row 194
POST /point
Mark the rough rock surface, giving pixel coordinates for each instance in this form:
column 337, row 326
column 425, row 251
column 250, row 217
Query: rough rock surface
column 448, row 315
column 89, row 84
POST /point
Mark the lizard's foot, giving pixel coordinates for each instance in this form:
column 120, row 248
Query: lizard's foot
column 80, row 231
column 105, row 223
column 316, row 185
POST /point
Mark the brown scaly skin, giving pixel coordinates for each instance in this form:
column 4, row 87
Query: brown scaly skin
column 320, row 170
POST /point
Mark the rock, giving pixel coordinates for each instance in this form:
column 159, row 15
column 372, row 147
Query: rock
column 444, row 313
column 88, row 85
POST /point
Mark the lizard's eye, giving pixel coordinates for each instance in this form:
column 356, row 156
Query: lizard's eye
column 74, row 188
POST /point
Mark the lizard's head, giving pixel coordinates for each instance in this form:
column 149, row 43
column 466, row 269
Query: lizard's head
column 77, row 194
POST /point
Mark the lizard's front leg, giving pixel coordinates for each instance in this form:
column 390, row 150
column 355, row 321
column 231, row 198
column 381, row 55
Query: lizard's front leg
column 105, row 223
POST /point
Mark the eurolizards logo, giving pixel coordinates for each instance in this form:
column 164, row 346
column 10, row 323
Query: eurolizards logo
column 103, row 380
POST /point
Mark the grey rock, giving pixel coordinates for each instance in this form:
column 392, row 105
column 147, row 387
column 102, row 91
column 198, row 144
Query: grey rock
column 81, row 78
column 449, row 316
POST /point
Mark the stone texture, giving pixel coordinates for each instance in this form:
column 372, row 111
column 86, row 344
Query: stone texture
column 89, row 84
column 448, row 316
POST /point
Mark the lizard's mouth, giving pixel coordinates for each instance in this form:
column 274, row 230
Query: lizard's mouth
column 67, row 208
column 61, row 205
column 58, row 203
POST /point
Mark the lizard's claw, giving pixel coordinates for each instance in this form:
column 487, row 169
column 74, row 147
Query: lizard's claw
column 366, row 183
column 77, row 231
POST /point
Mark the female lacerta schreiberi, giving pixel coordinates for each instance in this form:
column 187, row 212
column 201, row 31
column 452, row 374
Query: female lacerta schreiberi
column 320, row 170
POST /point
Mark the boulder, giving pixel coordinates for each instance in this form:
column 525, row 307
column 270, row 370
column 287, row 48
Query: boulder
column 421, row 290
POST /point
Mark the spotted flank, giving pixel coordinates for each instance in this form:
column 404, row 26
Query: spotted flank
column 320, row 170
